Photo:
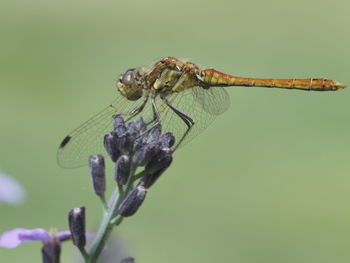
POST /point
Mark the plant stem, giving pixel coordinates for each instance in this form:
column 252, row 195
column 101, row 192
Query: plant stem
column 103, row 201
column 84, row 254
column 109, row 220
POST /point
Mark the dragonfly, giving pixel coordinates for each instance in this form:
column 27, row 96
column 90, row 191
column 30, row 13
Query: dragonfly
column 178, row 94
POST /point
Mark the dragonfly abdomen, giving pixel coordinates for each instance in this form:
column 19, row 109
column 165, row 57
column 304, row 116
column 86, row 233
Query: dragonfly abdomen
column 215, row 78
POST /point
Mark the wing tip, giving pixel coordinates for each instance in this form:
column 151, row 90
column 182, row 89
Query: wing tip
column 65, row 141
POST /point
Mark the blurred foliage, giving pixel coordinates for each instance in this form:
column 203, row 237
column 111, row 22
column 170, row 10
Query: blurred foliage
column 267, row 182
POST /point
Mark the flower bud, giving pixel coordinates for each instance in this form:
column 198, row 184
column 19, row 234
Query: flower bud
column 118, row 121
column 76, row 220
column 111, row 145
column 156, row 167
column 167, row 139
column 141, row 125
column 132, row 202
column 153, row 134
column 97, row 171
column 146, row 153
column 148, row 180
column 122, row 169
column 51, row 251
column 138, row 144
column 125, row 142
column 133, row 129
column 120, row 130
column 160, row 161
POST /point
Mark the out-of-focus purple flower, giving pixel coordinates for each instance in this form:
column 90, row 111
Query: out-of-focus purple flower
column 17, row 236
column 11, row 191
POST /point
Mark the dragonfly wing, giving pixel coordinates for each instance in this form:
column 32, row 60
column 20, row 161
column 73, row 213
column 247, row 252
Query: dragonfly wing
column 214, row 100
column 87, row 139
column 196, row 105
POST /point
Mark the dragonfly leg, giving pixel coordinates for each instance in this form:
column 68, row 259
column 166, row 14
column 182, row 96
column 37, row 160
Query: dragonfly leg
column 156, row 118
column 186, row 119
column 137, row 110
column 155, row 113
column 155, row 121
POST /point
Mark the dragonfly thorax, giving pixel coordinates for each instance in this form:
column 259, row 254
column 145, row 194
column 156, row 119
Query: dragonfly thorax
column 129, row 86
column 175, row 80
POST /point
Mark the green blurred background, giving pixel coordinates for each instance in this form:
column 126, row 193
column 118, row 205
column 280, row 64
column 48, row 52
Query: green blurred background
column 268, row 182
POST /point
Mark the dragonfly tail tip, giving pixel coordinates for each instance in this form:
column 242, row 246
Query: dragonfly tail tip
column 339, row 85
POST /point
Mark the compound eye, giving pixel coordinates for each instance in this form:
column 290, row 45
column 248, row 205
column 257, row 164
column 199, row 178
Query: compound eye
column 127, row 77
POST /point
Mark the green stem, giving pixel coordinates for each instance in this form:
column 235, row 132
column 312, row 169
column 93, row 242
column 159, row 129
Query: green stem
column 84, row 254
column 103, row 201
column 110, row 220
column 139, row 175
column 117, row 220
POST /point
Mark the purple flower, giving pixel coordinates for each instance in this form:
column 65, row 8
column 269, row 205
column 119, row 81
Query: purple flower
column 17, row 236
column 11, row 191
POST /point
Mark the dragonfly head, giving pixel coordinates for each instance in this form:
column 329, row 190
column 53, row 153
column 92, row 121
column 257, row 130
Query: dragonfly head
column 127, row 84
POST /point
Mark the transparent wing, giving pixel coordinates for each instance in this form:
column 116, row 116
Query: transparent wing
column 87, row 139
column 214, row 100
column 198, row 104
column 202, row 105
